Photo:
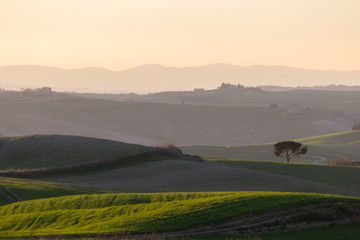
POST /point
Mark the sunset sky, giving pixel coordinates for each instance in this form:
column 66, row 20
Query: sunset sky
column 118, row 34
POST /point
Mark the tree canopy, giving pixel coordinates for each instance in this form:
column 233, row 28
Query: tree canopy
column 290, row 149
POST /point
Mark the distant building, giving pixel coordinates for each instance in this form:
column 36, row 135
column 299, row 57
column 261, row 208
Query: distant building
column 199, row 90
column 44, row 90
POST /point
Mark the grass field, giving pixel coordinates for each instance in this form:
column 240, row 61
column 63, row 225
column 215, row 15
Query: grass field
column 49, row 151
column 30, row 189
column 329, row 147
column 145, row 213
column 346, row 178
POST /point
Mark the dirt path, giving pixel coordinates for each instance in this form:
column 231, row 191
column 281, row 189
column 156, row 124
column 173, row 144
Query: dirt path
column 10, row 196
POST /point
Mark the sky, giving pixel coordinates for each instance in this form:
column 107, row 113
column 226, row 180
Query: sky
column 119, row 34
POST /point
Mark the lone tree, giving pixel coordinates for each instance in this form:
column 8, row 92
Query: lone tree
column 290, row 149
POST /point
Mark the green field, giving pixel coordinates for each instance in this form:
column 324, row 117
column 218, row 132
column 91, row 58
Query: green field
column 341, row 177
column 148, row 213
column 322, row 149
column 30, row 189
column 50, row 210
column 49, row 151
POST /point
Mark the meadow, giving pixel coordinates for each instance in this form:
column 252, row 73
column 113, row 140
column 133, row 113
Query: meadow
column 175, row 196
column 322, row 149
column 183, row 213
column 30, row 189
column 51, row 151
column 341, row 177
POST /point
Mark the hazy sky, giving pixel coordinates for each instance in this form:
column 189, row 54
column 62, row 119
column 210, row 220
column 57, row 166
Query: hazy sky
column 117, row 34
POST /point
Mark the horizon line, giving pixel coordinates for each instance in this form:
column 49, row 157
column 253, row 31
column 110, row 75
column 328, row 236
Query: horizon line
column 181, row 67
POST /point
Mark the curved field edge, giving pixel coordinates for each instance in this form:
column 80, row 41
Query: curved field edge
column 144, row 213
column 32, row 189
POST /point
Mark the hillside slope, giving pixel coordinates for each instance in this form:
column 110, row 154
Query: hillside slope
column 50, row 151
column 175, row 214
column 151, row 124
column 335, row 139
column 340, row 177
column 182, row 176
column 322, row 148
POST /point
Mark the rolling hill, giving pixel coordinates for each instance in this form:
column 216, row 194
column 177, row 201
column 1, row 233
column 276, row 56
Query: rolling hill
column 188, row 209
column 297, row 100
column 172, row 214
column 156, row 172
column 322, row 148
column 153, row 123
column 52, row 151
column 341, row 177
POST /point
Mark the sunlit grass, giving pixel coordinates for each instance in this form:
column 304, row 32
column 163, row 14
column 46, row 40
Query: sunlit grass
column 141, row 213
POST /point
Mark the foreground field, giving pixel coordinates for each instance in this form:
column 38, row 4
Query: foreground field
column 175, row 214
column 343, row 232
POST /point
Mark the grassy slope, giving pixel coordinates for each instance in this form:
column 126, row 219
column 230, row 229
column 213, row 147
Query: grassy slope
column 30, row 189
column 343, row 144
column 330, row 146
column 188, row 176
column 43, row 151
column 346, row 178
column 334, row 139
column 96, row 214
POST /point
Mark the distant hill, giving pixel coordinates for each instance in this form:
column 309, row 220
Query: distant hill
column 327, row 88
column 155, row 123
column 156, row 78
